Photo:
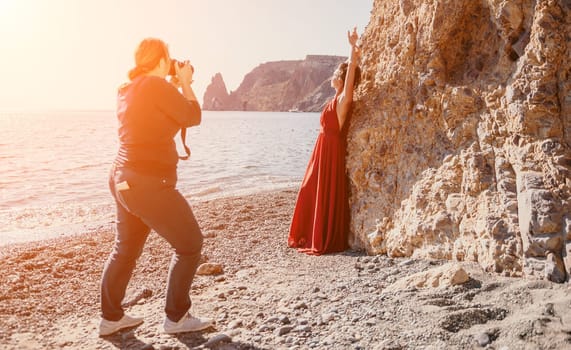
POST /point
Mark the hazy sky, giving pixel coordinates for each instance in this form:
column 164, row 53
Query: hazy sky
column 72, row 54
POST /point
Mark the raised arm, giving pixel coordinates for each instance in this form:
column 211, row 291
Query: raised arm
column 185, row 73
column 346, row 96
column 187, row 111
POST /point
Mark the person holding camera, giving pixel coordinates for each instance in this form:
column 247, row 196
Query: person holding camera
column 320, row 221
column 151, row 111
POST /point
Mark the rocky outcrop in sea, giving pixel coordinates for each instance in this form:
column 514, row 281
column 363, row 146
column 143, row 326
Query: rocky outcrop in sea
column 300, row 85
column 216, row 94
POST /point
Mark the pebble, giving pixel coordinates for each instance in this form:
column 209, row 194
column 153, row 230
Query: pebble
column 336, row 298
column 407, row 262
column 283, row 330
column 217, row 339
column 343, row 312
column 209, row 234
column 272, row 319
column 301, row 305
column 316, row 303
column 235, row 324
column 209, row 269
column 328, row 317
column 549, row 310
column 482, row 339
column 302, row 329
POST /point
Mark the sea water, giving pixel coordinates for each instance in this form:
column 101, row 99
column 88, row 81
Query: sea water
column 54, row 166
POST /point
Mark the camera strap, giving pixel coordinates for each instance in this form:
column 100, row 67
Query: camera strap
column 186, row 149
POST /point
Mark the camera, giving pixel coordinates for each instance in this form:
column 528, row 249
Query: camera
column 172, row 70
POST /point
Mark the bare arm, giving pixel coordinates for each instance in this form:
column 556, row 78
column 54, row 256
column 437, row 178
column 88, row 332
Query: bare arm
column 185, row 111
column 346, row 97
column 183, row 81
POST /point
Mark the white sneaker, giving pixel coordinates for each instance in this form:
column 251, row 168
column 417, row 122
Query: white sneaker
column 187, row 323
column 107, row 327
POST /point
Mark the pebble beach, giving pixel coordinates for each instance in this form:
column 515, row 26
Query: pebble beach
column 264, row 295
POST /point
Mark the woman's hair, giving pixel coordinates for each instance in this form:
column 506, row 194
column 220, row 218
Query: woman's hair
column 343, row 68
column 147, row 56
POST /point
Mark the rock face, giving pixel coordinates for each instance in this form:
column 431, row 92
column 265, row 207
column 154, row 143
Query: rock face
column 302, row 85
column 459, row 146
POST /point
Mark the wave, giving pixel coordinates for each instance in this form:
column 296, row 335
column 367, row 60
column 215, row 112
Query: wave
column 207, row 191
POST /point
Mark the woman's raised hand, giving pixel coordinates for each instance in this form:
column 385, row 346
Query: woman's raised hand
column 355, row 50
column 353, row 37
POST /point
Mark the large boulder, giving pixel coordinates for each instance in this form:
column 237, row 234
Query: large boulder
column 459, row 145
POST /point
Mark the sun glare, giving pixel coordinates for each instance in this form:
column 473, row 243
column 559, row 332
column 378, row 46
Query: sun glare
column 7, row 10
column 13, row 11
column 22, row 23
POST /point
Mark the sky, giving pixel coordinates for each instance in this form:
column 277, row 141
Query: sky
column 73, row 54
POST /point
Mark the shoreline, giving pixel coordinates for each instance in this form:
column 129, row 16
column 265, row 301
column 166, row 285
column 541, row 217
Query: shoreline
column 54, row 232
column 270, row 296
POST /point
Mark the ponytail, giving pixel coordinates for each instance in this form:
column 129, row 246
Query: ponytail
column 137, row 71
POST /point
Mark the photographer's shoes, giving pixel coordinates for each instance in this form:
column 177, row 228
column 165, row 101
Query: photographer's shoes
column 107, row 327
column 187, row 323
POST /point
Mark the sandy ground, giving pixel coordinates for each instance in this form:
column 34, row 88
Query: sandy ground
column 272, row 297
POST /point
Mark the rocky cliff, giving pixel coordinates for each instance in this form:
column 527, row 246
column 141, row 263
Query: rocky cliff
column 216, row 94
column 302, row 85
column 460, row 140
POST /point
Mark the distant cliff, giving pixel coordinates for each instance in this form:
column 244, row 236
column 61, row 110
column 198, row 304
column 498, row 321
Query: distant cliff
column 302, row 85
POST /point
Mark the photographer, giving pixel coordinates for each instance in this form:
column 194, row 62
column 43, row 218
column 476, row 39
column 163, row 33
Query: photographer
column 143, row 179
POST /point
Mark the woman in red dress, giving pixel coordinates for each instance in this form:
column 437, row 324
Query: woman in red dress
column 320, row 222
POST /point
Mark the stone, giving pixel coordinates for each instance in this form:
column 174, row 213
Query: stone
column 554, row 268
column 210, row 269
column 482, row 339
column 448, row 275
column 216, row 340
column 283, row 330
column 235, row 324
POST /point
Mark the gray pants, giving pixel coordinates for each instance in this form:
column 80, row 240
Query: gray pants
column 150, row 202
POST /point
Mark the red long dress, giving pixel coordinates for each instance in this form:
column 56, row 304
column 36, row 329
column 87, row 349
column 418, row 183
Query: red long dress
column 320, row 220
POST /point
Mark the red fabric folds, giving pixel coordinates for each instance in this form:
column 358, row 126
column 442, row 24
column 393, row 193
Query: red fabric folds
column 320, row 220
